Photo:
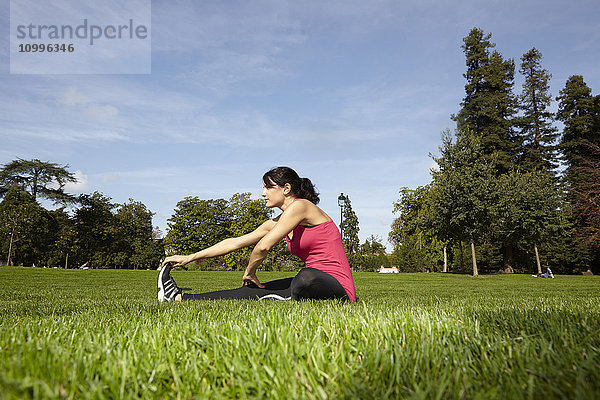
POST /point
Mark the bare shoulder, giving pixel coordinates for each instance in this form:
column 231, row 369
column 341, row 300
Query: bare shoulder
column 311, row 213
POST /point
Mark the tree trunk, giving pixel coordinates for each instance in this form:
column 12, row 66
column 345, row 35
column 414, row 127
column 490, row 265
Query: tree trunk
column 67, row 261
column 10, row 248
column 474, row 259
column 462, row 256
column 445, row 259
column 537, row 259
column 508, row 259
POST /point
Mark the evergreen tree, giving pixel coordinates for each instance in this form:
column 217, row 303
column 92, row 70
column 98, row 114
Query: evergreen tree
column 40, row 179
column 488, row 108
column 580, row 113
column 349, row 230
column 577, row 110
column 538, row 135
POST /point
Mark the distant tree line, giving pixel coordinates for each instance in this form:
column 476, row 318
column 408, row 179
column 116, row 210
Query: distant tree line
column 83, row 231
column 511, row 192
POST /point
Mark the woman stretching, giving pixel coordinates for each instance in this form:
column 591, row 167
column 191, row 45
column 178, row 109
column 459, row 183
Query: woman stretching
column 310, row 234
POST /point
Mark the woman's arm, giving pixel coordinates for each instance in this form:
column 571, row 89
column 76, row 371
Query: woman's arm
column 288, row 220
column 225, row 246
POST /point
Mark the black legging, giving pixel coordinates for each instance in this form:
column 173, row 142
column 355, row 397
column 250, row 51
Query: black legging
column 309, row 283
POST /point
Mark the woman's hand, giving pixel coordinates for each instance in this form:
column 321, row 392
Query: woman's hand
column 250, row 277
column 177, row 261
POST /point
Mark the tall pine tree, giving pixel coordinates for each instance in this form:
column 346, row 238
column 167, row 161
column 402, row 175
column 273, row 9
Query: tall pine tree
column 538, row 135
column 488, row 108
column 580, row 113
column 349, row 230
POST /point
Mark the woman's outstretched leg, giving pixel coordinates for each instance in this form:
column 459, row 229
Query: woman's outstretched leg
column 279, row 289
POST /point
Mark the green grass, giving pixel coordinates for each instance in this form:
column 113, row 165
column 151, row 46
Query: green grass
column 102, row 334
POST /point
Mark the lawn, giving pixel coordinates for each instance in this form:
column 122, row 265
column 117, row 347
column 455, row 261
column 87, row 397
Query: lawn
column 102, row 334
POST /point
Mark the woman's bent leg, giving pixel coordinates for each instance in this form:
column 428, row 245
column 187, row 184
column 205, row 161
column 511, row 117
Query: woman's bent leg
column 280, row 288
column 311, row 283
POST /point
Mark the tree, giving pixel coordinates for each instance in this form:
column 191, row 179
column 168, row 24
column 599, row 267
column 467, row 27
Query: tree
column 580, row 113
column 245, row 215
column 462, row 192
column 349, row 230
column 38, row 178
column 527, row 210
column 25, row 228
column 488, row 107
column 372, row 254
column 136, row 240
column 576, row 109
column 95, row 232
column 416, row 247
column 197, row 224
column 65, row 244
column 588, row 198
column 538, row 135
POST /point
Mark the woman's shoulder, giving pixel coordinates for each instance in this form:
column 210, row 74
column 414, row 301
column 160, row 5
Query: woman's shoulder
column 312, row 214
column 302, row 205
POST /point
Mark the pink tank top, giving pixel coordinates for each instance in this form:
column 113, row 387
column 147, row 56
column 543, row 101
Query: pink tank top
column 321, row 247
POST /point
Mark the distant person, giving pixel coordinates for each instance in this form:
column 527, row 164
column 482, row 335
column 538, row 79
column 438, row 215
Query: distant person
column 310, row 234
column 547, row 274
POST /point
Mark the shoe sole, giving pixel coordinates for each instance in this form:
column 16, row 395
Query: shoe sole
column 274, row 297
column 161, row 287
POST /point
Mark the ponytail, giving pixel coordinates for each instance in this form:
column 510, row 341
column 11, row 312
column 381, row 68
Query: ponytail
column 307, row 191
column 301, row 187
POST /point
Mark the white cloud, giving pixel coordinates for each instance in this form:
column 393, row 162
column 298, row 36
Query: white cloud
column 73, row 97
column 102, row 112
column 80, row 186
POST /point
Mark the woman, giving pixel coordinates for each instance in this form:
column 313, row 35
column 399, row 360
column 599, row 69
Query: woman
column 310, row 234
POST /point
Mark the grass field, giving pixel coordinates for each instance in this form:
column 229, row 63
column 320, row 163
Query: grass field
column 102, row 334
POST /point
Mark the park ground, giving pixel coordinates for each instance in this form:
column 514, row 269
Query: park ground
column 102, row 334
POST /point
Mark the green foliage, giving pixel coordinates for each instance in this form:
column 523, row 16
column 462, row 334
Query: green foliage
column 489, row 106
column 197, row 224
column 580, row 113
column 372, row 255
column 577, row 110
column 102, row 334
column 349, row 229
column 140, row 249
column 43, row 179
column 538, row 135
column 108, row 235
column 245, row 215
column 462, row 190
column 27, row 228
column 416, row 247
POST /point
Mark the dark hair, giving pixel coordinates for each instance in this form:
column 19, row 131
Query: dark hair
column 301, row 187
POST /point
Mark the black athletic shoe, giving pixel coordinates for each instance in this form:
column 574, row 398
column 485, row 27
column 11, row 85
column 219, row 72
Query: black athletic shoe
column 167, row 288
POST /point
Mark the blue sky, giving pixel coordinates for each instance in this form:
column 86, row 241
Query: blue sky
column 352, row 94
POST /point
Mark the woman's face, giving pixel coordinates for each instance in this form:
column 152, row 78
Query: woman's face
column 274, row 195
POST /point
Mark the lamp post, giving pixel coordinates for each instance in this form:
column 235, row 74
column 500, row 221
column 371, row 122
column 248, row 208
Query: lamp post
column 341, row 203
